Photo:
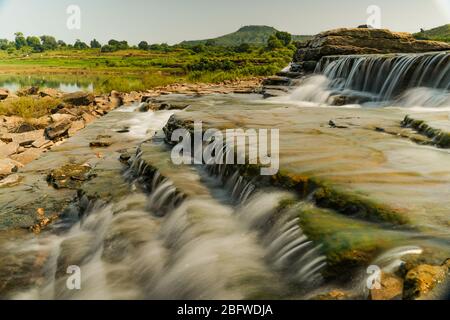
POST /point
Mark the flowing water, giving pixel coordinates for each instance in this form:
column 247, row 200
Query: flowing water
column 208, row 232
column 406, row 80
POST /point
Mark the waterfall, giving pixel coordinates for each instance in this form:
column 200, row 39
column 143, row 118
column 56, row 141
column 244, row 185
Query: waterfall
column 381, row 79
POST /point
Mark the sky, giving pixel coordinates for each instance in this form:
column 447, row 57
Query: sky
column 173, row 21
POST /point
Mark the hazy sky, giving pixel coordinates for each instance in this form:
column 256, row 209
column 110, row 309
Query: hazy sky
column 172, row 21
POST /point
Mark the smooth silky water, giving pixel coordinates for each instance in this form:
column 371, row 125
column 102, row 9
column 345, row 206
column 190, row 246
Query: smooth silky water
column 229, row 238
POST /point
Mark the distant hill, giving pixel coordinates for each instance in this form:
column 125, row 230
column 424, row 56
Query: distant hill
column 441, row 33
column 256, row 35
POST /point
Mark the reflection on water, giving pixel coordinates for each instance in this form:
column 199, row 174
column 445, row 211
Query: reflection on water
column 63, row 82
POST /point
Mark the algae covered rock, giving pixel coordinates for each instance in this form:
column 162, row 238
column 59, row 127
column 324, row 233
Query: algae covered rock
column 70, row 176
column 422, row 279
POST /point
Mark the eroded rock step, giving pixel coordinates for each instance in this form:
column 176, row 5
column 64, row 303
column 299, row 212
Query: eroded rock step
column 350, row 245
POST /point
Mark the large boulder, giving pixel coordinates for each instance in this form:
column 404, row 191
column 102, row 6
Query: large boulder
column 78, row 98
column 362, row 41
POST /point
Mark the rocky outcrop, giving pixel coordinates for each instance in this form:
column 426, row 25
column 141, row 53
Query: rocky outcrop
column 359, row 41
column 78, row 98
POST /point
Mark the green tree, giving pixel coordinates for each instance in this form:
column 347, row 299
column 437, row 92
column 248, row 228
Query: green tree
column 210, row 43
column 274, row 43
column 95, row 44
column 199, row 48
column 61, row 44
column 79, row 45
column 123, row 45
column 108, row 48
column 20, row 40
column 284, row 37
column 143, row 45
column 5, row 44
column 34, row 43
column 243, row 48
column 49, row 42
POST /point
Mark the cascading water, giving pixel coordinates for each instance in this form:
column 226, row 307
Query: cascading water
column 399, row 79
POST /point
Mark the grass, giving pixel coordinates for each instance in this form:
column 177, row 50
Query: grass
column 129, row 70
column 28, row 107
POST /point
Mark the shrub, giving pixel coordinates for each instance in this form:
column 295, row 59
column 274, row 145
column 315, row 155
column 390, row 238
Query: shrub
column 28, row 107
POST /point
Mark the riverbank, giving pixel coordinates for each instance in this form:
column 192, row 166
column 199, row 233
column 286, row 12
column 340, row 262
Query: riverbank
column 26, row 135
column 138, row 70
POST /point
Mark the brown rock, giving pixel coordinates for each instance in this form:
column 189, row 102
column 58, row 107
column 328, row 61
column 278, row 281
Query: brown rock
column 27, row 138
column 88, row 118
column 49, row 92
column 10, row 180
column 78, row 98
column 4, row 94
column 391, row 288
column 364, row 41
column 58, row 117
column 9, row 149
column 422, row 279
column 76, row 126
column 41, row 142
column 27, row 156
column 27, row 91
column 58, row 130
column 8, row 166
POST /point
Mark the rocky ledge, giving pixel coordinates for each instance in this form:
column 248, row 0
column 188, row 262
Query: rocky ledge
column 359, row 41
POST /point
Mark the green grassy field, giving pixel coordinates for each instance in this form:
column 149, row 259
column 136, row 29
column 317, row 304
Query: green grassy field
column 133, row 69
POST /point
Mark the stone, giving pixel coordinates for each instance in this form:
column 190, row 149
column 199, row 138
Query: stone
column 391, row 288
column 24, row 127
column 49, row 92
column 27, row 156
column 10, row 180
column 144, row 107
column 27, row 91
column 88, row 118
column 78, row 98
column 9, row 149
column 4, row 94
column 76, row 126
column 57, row 117
column 70, row 176
column 277, row 81
column 8, row 166
column 41, row 142
column 422, row 279
column 58, row 130
column 27, row 138
column 361, row 41
column 101, row 143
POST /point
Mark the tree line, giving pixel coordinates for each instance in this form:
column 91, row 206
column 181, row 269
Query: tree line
column 47, row 43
